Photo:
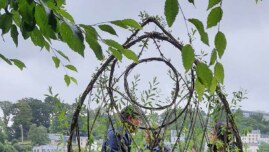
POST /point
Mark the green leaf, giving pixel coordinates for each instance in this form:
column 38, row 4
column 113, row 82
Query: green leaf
column 219, row 72
column 119, row 23
column 130, row 55
column 114, row 44
column 213, row 85
column 116, row 53
column 63, row 55
column 5, row 22
column 200, row 27
column 96, row 47
column 212, row 3
column 47, row 46
column 71, row 67
column 54, row 22
column 66, row 15
column 14, row 34
column 91, row 39
column 204, row 74
column 73, row 37
column 200, row 89
column 52, row 4
column 74, row 80
column 131, row 23
column 26, row 9
column 37, row 38
column 60, row 2
column 214, row 17
column 5, row 59
column 89, row 29
column 25, row 34
column 3, row 3
column 107, row 28
column 127, row 23
column 18, row 63
column 42, row 20
column 187, row 56
column 257, row 1
column 191, row 1
column 170, row 11
column 220, row 43
column 28, row 27
column 16, row 17
column 41, row 16
column 56, row 61
column 213, row 57
column 67, row 80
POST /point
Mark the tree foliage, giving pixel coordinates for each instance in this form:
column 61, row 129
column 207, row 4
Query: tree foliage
column 3, row 135
column 52, row 114
column 253, row 122
column 40, row 112
column 7, row 108
column 44, row 21
column 263, row 147
column 38, row 135
column 22, row 119
column 7, row 148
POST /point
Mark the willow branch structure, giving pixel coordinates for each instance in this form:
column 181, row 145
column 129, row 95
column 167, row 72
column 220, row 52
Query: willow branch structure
column 171, row 117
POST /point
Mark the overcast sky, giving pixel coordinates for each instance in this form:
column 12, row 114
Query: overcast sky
column 245, row 24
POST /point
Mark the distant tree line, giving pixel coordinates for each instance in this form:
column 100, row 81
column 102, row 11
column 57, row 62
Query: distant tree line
column 252, row 122
column 36, row 118
column 32, row 120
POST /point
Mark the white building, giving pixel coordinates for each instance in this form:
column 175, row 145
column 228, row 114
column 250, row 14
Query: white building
column 264, row 138
column 253, row 137
column 58, row 143
column 49, row 148
column 56, row 139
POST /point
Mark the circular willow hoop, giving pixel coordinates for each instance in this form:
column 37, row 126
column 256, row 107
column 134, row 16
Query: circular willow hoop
column 126, row 86
column 165, row 124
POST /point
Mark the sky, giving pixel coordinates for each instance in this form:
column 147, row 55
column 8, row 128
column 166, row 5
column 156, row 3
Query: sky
column 244, row 23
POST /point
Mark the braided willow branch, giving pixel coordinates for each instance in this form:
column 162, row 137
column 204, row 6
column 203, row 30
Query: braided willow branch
column 132, row 40
column 230, row 118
